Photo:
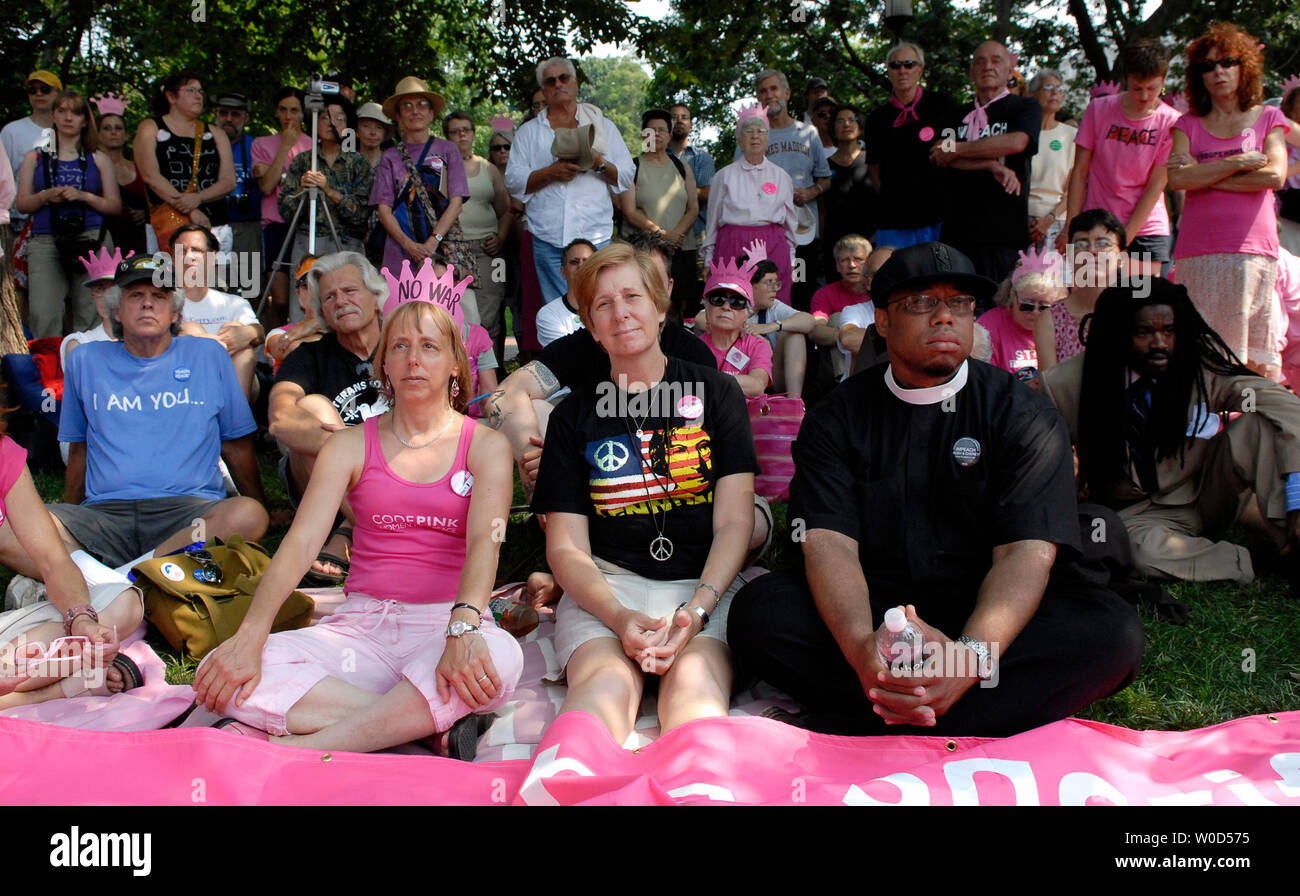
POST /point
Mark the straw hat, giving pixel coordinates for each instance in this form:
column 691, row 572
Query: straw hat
column 413, row 86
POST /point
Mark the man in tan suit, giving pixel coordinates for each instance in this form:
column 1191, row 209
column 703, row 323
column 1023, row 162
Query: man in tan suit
column 1177, row 435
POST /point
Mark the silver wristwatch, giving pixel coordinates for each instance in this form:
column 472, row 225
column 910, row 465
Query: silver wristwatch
column 457, row 628
column 984, row 666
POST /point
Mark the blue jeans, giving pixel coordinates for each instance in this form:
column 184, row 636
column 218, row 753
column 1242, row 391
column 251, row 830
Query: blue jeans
column 901, row 239
column 546, row 258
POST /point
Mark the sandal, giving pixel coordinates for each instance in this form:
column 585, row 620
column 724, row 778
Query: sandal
column 132, row 678
column 314, row 578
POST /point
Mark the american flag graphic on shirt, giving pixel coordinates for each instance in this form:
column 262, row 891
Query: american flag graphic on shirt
column 623, row 481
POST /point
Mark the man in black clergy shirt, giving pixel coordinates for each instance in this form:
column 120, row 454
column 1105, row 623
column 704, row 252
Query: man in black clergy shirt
column 945, row 484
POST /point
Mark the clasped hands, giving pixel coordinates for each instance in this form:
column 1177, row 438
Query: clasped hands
column 919, row 698
column 653, row 644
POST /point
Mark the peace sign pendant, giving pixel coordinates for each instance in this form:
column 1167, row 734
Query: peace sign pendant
column 661, row 549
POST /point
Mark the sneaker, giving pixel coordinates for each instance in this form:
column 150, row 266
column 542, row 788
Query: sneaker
column 23, row 592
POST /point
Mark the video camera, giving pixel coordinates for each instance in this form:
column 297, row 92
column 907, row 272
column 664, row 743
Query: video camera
column 314, row 95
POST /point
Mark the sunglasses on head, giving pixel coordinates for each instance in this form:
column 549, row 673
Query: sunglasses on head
column 1209, row 65
column 737, row 303
column 38, row 87
column 908, row 64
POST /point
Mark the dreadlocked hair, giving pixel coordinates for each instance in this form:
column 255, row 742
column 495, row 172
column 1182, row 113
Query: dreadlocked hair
column 1103, row 451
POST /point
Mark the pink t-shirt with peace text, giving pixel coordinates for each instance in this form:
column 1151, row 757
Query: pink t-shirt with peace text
column 1124, row 153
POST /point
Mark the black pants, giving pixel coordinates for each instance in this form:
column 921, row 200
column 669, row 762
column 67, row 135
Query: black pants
column 1084, row 643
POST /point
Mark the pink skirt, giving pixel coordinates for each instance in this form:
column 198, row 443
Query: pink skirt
column 733, row 238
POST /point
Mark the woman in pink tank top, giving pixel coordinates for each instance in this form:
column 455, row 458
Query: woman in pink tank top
column 1229, row 154
column 411, row 653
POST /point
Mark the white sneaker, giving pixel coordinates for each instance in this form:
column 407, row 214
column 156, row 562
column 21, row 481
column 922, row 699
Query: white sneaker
column 23, row 592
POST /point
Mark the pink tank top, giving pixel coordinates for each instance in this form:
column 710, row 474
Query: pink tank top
column 409, row 541
column 12, row 460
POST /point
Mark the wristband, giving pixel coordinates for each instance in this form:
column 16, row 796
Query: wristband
column 1292, row 492
column 79, row 610
column 697, row 610
column 779, row 326
column 465, row 606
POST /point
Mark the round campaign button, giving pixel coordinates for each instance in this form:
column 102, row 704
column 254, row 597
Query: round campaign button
column 690, row 407
column 966, row 451
column 172, row 572
column 926, row 134
column 1056, row 145
column 462, row 483
column 181, row 374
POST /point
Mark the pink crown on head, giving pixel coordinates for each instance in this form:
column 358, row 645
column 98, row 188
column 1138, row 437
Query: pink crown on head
column 1104, row 88
column 423, row 286
column 1178, row 101
column 109, row 104
column 726, row 274
column 101, row 265
column 751, row 111
column 1050, row 263
column 503, row 123
column 1290, row 84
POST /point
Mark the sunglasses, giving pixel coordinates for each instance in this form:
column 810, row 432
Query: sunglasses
column 908, row 64
column 737, row 303
column 557, row 79
column 500, row 147
column 825, row 113
column 1209, row 65
column 209, row 570
column 925, row 303
column 38, row 87
column 1027, row 307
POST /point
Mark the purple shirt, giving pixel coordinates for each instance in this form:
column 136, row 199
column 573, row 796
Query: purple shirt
column 390, row 177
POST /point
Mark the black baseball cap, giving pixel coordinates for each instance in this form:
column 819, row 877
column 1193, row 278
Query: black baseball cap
column 816, row 84
column 925, row 264
column 138, row 268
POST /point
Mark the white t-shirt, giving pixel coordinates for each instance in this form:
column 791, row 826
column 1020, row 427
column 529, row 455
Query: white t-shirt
column 863, row 315
column 556, row 319
column 1050, row 175
column 96, row 334
column 778, row 312
column 19, row 138
column 216, row 308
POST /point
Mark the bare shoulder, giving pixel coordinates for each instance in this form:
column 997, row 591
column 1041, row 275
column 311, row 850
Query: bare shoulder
column 490, row 450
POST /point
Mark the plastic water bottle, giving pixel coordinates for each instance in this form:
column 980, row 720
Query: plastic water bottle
column 514, row 617
column 900, row 643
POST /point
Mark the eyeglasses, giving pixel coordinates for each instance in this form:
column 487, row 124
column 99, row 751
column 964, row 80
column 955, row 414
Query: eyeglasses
column 925, row 303
column 773, row 285
column 1102, row 244
column 849, row 121
column 564, row 78
column 412, row 105
column 680, row 117
column 1209, row 65
column 908, row 64
column 752, row 130
column 38, row 87
column 456, row 132
column 1027, row 307
column 1052, row 88
column 192, row 91
column 209, row 570
column 737, row 303
column 501, row 147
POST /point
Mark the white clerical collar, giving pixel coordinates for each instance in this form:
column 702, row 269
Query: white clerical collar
column 929, row 394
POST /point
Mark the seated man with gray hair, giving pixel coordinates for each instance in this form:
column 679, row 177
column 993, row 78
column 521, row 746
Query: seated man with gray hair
column 330, row 384
column 148, row 417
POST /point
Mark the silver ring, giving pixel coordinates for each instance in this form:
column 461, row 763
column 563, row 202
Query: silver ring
column 484, row 678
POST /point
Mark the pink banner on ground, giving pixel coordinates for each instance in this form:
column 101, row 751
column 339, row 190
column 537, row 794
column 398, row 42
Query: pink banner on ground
column 1250, row 761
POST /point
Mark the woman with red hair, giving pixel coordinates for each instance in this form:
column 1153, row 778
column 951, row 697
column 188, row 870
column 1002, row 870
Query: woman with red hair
column 1229, row 154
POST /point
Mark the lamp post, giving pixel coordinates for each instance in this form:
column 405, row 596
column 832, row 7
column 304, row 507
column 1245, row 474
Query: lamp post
column 897, row 14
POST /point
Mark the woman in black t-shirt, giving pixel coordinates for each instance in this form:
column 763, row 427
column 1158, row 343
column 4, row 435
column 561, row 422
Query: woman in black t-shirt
column 647, row 481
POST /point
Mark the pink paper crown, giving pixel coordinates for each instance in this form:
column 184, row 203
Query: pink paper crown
column 729, row 275
column 423, row 286
column 1104, row 88
column 1049, row 262
column 102, row 265
column 1290, row 84
column 503, row 123
column 748, row 112
column 109, row 104
column 1178, row 101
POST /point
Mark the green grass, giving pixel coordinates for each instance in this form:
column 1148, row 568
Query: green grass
column 1237, row 655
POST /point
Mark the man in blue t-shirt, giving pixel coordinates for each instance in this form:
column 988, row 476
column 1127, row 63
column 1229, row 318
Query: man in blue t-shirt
column 148, row 417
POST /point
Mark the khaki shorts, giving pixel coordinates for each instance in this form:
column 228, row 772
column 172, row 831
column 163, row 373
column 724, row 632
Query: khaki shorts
column 574, row 626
